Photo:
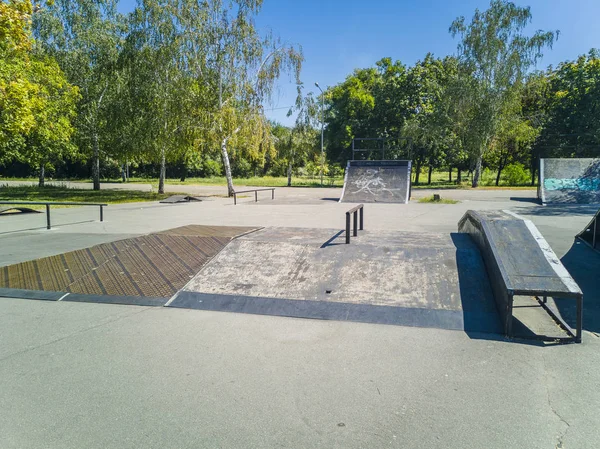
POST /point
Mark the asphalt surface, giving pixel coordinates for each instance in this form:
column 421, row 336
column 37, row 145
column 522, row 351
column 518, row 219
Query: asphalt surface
column 105, row 376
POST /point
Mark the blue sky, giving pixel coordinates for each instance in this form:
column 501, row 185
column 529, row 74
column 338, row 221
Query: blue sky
column 338, row 36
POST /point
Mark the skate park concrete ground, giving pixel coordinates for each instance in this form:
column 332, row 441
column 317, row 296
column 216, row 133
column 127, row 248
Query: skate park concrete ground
column 97, row 375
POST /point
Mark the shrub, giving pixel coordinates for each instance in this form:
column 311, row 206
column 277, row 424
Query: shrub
column 516, row 174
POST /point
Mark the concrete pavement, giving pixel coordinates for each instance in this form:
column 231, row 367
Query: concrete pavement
column 105, row 376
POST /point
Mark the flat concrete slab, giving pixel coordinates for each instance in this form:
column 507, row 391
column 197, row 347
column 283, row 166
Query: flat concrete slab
column 430, row 280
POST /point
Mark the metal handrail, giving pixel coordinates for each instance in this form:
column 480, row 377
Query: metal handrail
column 235, row 194
column 58, row 203
column 354, row 211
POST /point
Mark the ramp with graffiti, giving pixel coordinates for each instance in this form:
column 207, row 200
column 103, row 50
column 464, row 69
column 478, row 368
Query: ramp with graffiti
column 569, row 181
column 377, row 182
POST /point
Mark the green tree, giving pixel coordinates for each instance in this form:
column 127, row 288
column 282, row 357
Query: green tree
column 240, row 67
column 85, row 37
column 572, row 125
column 160, row 86
column 37, row 103
column 495, row 56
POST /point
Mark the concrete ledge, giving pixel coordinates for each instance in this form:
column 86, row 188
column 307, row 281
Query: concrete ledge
column 125, row 300
column 30, row 294
column 339, row 311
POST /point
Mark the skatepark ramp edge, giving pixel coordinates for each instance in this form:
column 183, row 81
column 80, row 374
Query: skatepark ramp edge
column 387, row 181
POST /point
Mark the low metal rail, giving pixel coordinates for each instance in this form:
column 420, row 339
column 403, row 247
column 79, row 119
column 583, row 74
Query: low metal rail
column 356, row 211
column 235, row 194
column 60, row 203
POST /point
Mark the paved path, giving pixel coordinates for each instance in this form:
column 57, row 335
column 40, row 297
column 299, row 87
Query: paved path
column 102, row 376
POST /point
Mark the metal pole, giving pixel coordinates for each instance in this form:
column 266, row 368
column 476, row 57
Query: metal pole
column 256, row 196
column 347, row 227
column 355, row 223
column 361, row 219
column 48, row 226
column 322, row 151
column 101, row 213
column 272, row 194
column 234, row 198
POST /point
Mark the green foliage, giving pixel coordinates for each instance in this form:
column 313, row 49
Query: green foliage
column 494, row 57
column 37, row 103
column 516, row 175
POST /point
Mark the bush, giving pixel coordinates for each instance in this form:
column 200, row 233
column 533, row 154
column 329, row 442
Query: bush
column 210, row 168
column 516, row 174
column 241, row 168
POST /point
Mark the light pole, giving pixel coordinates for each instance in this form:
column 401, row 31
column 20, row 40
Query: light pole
column 322, row 152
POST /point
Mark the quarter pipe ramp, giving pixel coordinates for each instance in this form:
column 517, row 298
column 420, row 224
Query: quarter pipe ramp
column 377, row 182
column 569, row 181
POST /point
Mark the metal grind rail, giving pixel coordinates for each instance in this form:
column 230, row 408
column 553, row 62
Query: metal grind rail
column 60, row 203
column 235, row 194
column 355, row 212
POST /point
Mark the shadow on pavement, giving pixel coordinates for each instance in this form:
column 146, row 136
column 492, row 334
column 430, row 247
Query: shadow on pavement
column 525, row 199
column 562, row 210
column 583, row 263
column 481, row 320
column 477, row 300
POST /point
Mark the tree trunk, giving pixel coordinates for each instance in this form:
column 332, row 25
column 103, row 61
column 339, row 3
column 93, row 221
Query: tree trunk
column 459, row 176
column 534, row 166
column 184, row 173
column 417, row 172
column 477, row 173
column 228, row 176
column 163, row 169
column 123, row 175
column 450, row 174
column 96, row 162
column 289, row 173
column 42, row 174
column 429, row 175
column 500, row 168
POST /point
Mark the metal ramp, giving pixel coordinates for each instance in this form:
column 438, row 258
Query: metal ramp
column 180, row 199
column 569, row 181
column 591, row 233
column 377, row 182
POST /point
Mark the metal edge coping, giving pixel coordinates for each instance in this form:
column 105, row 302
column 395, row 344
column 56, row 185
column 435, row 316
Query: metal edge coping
column 345, row 180
column 22, row 293
column 551, row 257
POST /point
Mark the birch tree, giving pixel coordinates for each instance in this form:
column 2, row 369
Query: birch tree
column 496, row 55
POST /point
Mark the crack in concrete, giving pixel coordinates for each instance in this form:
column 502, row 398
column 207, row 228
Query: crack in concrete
column 562, row 435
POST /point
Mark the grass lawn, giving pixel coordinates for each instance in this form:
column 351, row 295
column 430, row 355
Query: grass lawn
column 429, row 199
column 439, row 180
column 59, row 193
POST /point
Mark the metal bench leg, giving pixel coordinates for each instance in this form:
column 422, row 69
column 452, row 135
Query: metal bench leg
column 355, row 223
column 347, row 228
column 361, row 219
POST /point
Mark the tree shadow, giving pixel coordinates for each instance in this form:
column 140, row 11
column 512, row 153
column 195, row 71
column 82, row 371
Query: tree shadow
column 525, row 200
